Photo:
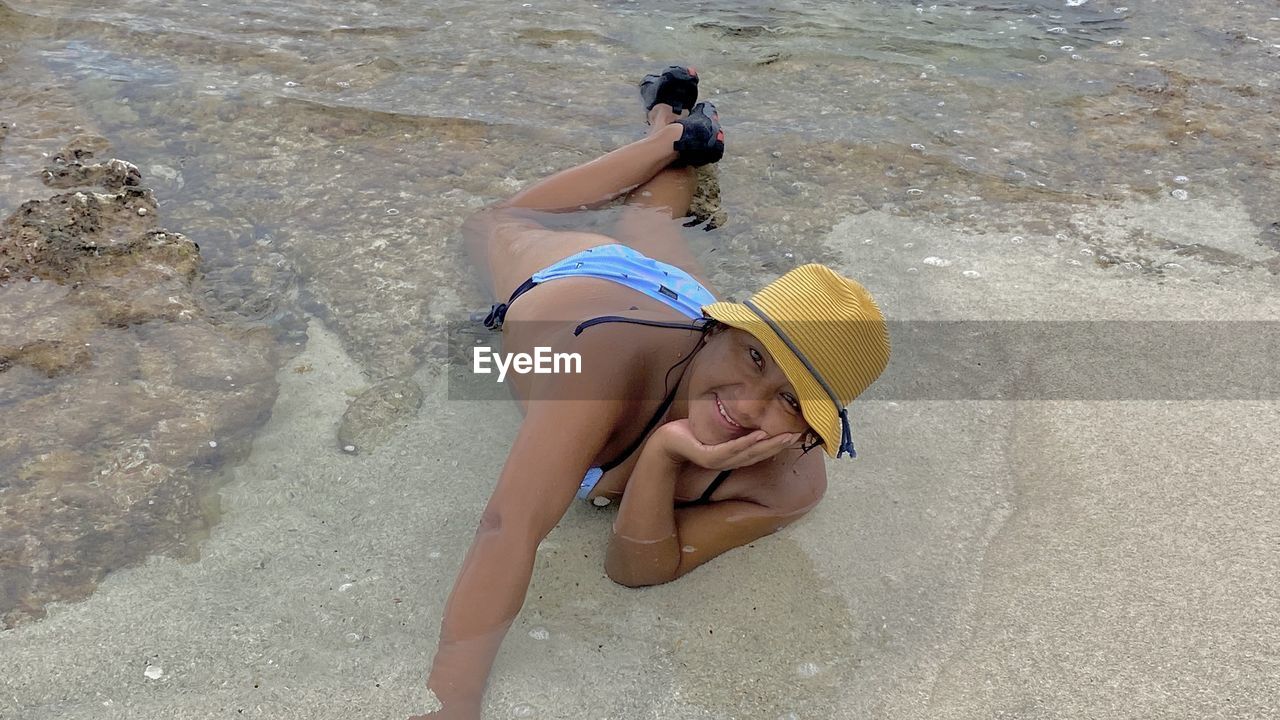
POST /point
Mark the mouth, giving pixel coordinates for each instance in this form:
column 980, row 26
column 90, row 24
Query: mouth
column 725, row 414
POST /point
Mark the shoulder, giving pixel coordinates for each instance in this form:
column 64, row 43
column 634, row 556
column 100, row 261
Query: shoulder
column 619, row 344
column 790, row 483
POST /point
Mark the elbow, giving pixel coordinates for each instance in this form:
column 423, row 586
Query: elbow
column 635, row 581
column 636, row 578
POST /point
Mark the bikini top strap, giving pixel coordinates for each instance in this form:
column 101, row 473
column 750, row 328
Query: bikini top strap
column 653, row 422
column 699, row 324
column 706, row 496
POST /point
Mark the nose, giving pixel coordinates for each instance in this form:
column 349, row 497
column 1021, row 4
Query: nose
column 751, row 408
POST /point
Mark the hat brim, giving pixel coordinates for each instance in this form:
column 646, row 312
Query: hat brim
column 815, row 405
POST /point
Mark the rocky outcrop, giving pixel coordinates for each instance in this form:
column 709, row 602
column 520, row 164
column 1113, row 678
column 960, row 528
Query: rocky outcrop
column 120, row 395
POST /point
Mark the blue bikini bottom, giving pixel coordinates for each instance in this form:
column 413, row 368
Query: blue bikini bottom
column 625, row 266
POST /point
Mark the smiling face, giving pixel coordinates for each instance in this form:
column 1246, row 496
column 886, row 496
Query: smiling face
column 734, row 388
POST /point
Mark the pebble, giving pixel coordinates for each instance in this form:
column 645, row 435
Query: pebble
column 1180, row 194
column 600, row 501
column 539, row 633
column 1181, row 179
column 971, row 274
column 936, row 261
column 345, row 587
column 213, row 443
column 917, row 146
column 914, row 191
column 807, row 669
column 142, row 211
column 348, row 448
column 1016, row 240
column 352, row 637
column 153, row 672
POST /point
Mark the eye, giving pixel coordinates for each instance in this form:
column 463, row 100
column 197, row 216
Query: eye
column 756, row 357
column 792, row 401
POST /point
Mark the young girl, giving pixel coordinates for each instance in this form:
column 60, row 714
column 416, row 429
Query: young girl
column 695, row 416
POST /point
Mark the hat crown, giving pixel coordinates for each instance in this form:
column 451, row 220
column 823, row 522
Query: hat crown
column 833, row 322
column 826, row 333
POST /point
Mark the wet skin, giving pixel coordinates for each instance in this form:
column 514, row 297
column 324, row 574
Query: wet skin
column 733, row 408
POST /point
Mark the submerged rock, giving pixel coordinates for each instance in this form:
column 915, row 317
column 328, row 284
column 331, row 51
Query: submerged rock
column 120, row 396
column 705, row 207
column 111, row 175
column 378, row 413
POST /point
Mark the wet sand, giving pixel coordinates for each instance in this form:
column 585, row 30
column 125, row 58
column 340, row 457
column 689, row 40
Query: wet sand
column 1032, row 558
column 979, row 559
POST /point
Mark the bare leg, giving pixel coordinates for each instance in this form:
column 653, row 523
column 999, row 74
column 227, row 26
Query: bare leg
column 595, row 183
column 672, row 188
column 506, row 245
column 648, row 220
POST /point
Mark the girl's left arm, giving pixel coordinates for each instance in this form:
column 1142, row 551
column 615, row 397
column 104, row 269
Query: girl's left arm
column 653, row 542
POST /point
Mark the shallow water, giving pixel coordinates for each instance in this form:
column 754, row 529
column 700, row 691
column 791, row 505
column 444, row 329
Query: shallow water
column 323, row 158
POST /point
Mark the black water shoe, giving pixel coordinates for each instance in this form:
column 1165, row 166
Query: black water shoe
column 702, row 142
column 677, row 86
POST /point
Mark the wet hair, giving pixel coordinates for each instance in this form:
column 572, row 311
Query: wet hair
column 708, row 328
column 817, row 442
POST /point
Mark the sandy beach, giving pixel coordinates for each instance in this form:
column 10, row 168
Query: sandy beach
column 1101, row 559
column 234, row 483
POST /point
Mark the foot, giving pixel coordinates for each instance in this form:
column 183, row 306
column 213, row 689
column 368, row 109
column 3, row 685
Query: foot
column 702, row 141
column 677, row 87
column 663, row 114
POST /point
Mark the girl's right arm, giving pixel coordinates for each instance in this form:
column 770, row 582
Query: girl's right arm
column 555, row 446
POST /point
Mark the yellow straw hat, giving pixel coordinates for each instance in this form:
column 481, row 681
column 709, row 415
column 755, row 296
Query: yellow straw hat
column 828, row 336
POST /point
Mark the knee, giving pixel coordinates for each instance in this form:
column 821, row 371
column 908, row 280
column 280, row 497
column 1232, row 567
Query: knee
column 486, row 222
column 480, row 223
